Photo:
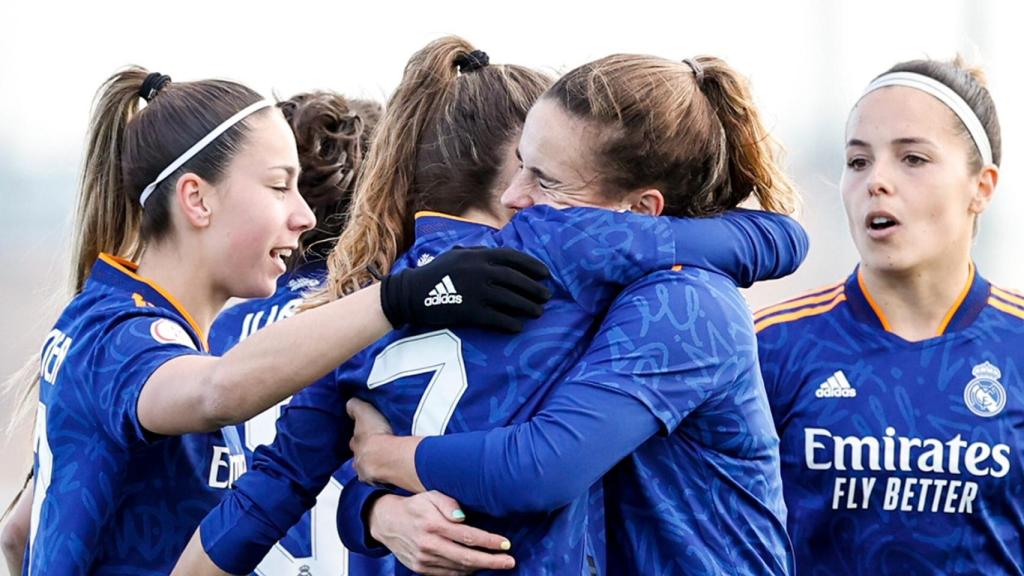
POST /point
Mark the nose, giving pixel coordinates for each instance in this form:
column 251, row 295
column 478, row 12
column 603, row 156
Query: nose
column 877, row 181
column 302, row 218
column 517, row 196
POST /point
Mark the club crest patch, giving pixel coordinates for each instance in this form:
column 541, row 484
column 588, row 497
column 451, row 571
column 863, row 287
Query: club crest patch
column 985, row 395
column 168, row 332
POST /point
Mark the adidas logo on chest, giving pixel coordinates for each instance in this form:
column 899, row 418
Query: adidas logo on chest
column 443, row 293
column 836, row 386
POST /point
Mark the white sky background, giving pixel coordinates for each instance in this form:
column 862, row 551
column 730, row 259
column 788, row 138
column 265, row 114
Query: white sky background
column 808, row 61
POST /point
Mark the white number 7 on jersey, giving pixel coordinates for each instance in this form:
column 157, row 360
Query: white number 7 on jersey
column 438, row 352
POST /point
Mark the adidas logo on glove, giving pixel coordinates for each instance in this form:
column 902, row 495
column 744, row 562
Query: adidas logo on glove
column 443, row 293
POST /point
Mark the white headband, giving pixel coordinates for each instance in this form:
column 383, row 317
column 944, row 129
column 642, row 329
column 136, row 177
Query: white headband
column 188, row 154
column 947, row 96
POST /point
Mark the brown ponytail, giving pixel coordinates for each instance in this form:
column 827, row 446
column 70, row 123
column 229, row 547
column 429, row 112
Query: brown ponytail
column 107, row 220
column 438, row 147
column 750, row 149
column 127, row 148
column 689, row 130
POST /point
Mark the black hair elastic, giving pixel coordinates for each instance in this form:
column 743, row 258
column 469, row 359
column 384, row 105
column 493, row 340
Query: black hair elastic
column 152, row 85
column 475, row 60
column 375, row 272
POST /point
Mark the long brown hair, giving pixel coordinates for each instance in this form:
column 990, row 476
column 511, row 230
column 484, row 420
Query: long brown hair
column 332, row 134
column 439, row 146
column 691, row 131
column 127, row 147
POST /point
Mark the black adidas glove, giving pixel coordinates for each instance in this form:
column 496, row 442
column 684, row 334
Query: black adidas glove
column 484, row 287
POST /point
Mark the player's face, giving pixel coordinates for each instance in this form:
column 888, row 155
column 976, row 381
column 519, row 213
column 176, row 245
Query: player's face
column 557, row 165
column 257, row 214
column 911, row 198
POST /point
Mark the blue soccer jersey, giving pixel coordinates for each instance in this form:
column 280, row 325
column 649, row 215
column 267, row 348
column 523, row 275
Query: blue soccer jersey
column 312, row 544
column 668, row 405
column 110, row 497
column 446, row 381
column 899, row 457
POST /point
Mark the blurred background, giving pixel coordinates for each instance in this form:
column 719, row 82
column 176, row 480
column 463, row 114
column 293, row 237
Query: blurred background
column 808, row 61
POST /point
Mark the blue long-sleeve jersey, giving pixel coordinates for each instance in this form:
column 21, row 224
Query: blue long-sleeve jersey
column 668, row 405
column 462, row 380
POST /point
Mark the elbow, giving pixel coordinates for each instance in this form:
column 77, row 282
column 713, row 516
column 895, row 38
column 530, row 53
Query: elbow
column 13, row 539
column 221, row 404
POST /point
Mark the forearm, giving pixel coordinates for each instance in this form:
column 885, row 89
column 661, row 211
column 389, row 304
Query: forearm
column 540, row 465
column 204, row 393
column 390, row 460
column 353, row 519
column 746, row 245
column 286, row 356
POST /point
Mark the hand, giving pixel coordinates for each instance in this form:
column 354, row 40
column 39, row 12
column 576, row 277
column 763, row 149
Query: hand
column 377, row 455
column 484, row 287
column 426, row 534
column 368, row 422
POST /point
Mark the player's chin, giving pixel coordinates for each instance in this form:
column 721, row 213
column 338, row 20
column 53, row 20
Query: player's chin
column 885, row 259
column 261, row 286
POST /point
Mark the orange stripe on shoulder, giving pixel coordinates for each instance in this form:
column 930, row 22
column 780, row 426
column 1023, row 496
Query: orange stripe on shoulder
column 813, row 297
column 130, row 269
column 803, row 313
column 1008, row 295
column 1008, row 308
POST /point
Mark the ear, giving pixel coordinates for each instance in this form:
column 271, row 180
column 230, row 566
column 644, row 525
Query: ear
column 192, row 194
column 650, row 202
column 986, row 187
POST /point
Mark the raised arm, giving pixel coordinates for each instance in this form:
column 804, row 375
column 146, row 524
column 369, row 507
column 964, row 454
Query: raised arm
column 194, row 392
column 596, row 252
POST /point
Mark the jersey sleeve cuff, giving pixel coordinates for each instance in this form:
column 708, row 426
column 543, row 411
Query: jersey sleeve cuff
column 239, row 532
column 353, row 519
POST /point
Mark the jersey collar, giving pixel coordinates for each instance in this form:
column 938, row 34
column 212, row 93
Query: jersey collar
column 971, row 301
column 122, row 274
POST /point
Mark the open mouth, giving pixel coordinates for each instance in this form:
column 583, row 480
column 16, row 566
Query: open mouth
column 880, row 221
column 281, row 254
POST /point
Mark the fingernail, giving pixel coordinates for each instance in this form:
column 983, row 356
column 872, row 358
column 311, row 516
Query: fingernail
column 506, row 545
column 458, row 514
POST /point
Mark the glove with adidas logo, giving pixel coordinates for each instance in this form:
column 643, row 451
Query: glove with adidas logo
column 484, row 287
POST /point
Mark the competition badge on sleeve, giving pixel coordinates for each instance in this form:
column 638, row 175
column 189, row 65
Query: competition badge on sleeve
column 984, row 395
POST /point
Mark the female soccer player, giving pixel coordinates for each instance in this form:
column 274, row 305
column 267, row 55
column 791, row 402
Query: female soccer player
column 895, row 390
column 332, row 134
column 668, row 403
column 199, row 187
column 442, row 381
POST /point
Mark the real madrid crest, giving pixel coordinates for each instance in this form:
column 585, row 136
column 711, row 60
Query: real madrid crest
column 984, row 395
